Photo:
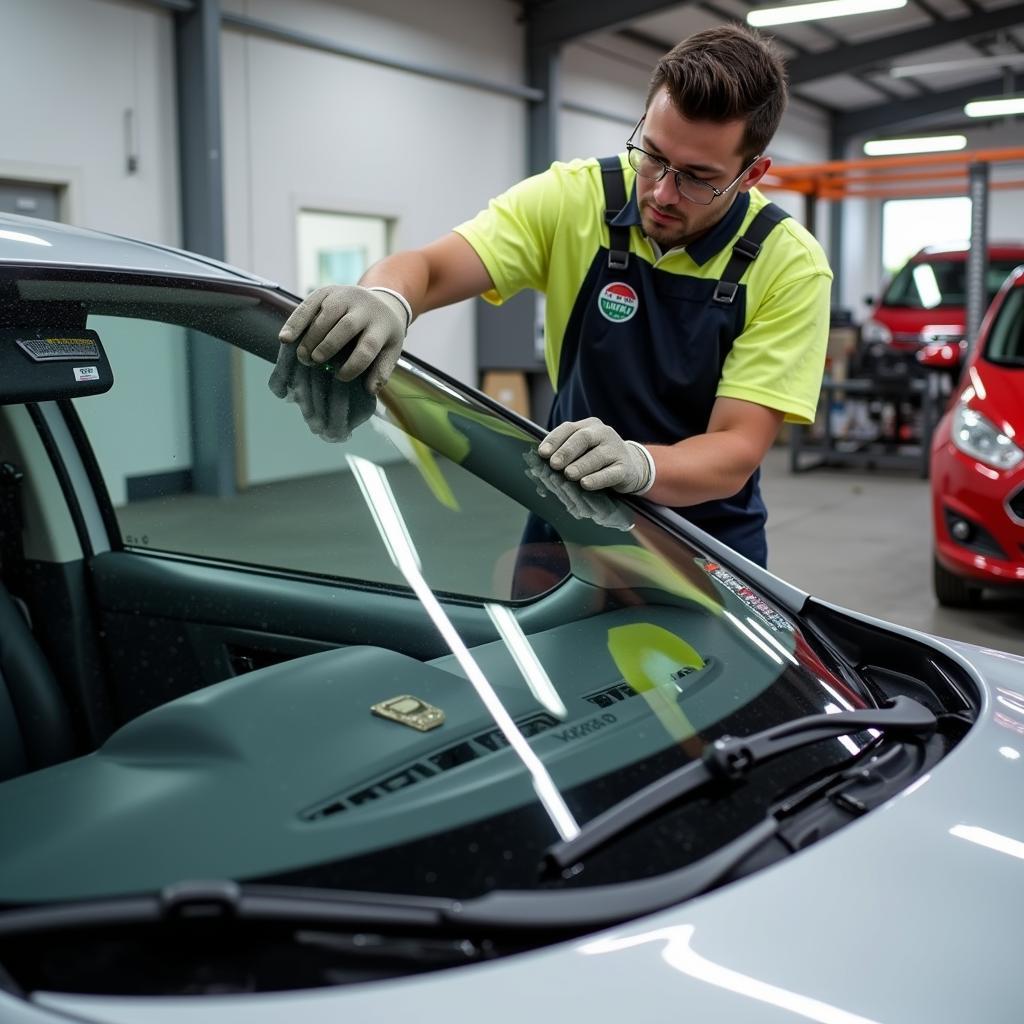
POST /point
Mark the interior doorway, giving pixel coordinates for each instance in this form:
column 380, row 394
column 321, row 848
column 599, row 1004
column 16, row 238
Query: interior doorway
column 30, row 199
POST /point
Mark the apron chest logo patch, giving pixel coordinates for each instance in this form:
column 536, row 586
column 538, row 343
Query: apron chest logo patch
column 617, row 302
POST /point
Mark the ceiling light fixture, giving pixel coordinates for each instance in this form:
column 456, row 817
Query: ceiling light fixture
column 996, row 60
column 819, row 10
column 997, row 106
column 921, row 144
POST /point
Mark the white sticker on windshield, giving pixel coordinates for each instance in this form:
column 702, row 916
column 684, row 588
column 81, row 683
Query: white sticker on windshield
column 86, row 373
column 752, row 600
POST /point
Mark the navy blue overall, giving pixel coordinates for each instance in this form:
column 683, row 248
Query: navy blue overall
column 651, row 371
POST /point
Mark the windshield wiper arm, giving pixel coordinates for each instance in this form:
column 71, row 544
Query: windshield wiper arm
column 225, row 900
column 730, row 758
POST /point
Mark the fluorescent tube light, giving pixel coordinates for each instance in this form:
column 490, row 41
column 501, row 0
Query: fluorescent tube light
column 996, row 60
column 922, row 144
column 816, row 11
column 995, row 107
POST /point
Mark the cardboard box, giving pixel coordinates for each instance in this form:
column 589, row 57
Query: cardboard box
column 842, row 344
column 510, row 388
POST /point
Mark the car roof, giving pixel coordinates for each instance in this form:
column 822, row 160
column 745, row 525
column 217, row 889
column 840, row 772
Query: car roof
column 958, row 251
column 35, row 242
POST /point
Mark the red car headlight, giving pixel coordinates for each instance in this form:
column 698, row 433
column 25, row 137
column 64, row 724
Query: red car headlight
column 978, row 437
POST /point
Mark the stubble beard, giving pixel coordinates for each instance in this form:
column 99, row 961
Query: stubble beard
column 666, row 237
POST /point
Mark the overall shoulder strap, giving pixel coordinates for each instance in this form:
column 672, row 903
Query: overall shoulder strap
column 746, row 250
column 614, row 201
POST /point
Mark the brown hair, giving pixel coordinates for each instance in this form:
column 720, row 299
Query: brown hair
column 728, row 73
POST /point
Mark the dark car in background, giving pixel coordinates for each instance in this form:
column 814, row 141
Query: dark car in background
column 977, row 460
column 391, row 722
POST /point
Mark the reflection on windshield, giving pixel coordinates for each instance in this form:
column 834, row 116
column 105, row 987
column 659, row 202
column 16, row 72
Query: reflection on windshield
column 395, row 534
column 526, row 659
column 927, row 286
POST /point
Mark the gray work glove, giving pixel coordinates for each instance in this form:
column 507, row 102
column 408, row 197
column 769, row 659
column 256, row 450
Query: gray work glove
column 374, row 323
column 332, row 408
column 580, row 504
column 592, row 453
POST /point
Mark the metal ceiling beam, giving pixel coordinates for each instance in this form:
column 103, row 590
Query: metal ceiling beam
column 561, row 21
column 543, row 73
column 870, row 119
column 849, row 59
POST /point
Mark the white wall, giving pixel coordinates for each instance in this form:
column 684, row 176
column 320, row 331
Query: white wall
column 70, row 69
column 307, row 128
column 304, row 128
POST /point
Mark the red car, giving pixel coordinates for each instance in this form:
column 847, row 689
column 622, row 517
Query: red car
column 926, row 300
column 977, row 458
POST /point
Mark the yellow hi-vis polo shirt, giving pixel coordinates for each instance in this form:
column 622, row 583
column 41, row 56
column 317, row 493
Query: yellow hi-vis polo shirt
column 544, row 233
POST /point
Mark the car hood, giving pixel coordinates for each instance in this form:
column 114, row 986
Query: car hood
column 910, row 913
column 912, row 321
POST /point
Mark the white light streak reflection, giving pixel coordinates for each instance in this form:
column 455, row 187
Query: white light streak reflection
column 680, row 955
column 979, row 386
column 835, row 709
column 751, row 636
column 1009, row 753
column 20, row 236
column 990, row 840
column 772, row 640
column 526, row 659
column 836, row 695
column 844, row 703
column 376, row 491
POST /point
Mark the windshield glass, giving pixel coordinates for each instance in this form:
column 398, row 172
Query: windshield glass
column 929, row 283
column 393, row 651
column 1006, row 338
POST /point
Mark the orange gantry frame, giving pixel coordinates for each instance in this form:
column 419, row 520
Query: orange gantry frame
column 926, row 174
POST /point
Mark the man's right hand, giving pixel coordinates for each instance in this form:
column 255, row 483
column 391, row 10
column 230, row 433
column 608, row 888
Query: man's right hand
column 334, row 316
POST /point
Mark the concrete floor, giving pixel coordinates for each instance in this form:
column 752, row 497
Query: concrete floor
column 862, row 539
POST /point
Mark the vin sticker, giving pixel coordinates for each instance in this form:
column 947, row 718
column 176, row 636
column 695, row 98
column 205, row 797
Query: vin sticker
column 753, row 601
column 86, row 373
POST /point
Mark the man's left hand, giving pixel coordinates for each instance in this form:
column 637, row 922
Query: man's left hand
column 593, row 454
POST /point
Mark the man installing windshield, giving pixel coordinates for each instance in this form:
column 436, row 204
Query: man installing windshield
column 671, row 376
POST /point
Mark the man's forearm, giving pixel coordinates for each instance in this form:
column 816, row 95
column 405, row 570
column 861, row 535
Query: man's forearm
column 407, row 273
column 703, row 468
column 443, row 272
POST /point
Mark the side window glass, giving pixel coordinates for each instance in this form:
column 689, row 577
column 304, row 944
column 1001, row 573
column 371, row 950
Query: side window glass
column 1007, row 340
column 296, row 506
column 141, row 433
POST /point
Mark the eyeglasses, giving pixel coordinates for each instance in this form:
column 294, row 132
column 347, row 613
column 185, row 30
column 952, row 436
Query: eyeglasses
column 654, row 168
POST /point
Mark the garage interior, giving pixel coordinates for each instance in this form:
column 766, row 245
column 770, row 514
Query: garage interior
column 175, row 134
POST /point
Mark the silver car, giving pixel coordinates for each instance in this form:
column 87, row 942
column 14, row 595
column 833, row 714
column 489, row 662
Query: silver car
column 316, row 706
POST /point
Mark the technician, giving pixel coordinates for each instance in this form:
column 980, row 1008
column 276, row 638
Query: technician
column 686, row 316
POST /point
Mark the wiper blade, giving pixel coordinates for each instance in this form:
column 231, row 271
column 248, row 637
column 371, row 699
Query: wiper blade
column 387, row 925
column 226, row 900
column 730, row 758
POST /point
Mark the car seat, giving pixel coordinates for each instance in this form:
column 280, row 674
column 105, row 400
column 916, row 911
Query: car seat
column 35, row 724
